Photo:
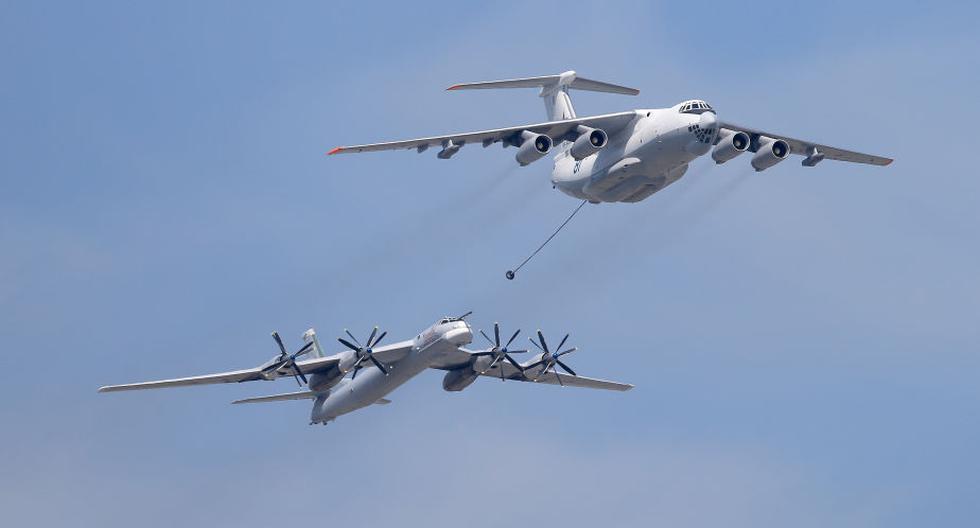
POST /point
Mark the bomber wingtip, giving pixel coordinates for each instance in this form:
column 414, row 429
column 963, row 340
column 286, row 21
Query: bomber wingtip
column 104, row 389
column 335, row 150
column 454, row 87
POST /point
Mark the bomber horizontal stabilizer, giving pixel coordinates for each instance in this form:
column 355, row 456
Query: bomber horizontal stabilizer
column 300, row 395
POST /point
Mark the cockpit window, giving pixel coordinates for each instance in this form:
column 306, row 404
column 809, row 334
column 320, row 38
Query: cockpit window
column 695, row 107
column 444, row 321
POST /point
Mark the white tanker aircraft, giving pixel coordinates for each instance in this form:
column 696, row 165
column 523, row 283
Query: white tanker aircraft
column 375, row 371
column 626, row 156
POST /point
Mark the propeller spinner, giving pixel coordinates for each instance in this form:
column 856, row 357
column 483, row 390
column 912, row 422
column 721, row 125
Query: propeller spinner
column 364, row 352
column 500, row 353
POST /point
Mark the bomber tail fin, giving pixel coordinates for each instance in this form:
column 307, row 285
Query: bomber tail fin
column 554, row 90
column 309, row 336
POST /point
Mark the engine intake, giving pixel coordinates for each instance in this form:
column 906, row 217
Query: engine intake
column 533, row 147
column 771, row 151
column 588, row 142
column 730, row 146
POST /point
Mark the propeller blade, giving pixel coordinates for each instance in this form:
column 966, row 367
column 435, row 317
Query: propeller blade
column 352, row 337
column 275, row 335
column 357, row 367
column 537, row 363
column 569, row 351
column 535, row 344
column 496, row 334
column 378, row 364
column 512, row 338
column 348, row 344
column 371, row 337
column 565, row 367
column 514, row 363
column 544, row 345
column 562, row 342
column 558, row 377
column 378, row 340
column 487, row 338
column 299, row 372
column 465, row 315
column 303, row 350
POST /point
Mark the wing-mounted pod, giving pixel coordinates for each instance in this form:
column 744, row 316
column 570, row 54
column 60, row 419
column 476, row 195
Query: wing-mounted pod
column 532, row 147
column 589, row 141
column 449, row 149
column 813, row 157
column 732, row 144
column 771, row 151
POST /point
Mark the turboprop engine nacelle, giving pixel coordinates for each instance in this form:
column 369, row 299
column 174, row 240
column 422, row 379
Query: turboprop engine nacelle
column 459, row 379
column 730, row 146
column 533, row 147
column 322, row 381
column 589, row 141
column 771, row 151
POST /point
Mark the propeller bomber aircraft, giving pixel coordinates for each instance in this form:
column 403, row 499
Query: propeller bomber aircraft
column 625, row 156
column 375, row 371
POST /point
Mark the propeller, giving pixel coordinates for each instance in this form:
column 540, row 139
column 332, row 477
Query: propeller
column 364, row 352
column 461, row 317
column 287, row 360
column 550, row 359
column 500, row 353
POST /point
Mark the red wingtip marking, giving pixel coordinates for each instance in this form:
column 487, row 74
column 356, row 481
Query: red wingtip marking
column 334, row 151
column 454, row 87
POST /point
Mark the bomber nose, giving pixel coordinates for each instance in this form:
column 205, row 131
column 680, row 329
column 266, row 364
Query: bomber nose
column 461, row 335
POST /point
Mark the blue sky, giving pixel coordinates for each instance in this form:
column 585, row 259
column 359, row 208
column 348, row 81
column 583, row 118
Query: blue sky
column 804, row 342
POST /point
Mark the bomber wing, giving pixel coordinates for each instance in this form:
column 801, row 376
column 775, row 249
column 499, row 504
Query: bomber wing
column 549, row 378
column 385, row 354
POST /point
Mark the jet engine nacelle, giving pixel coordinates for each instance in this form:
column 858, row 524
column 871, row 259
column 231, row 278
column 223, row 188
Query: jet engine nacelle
column 730, row 146
column 459, row 379
column 322, row 381
column 533, row 147
column 589, row 141
column 771, row 151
